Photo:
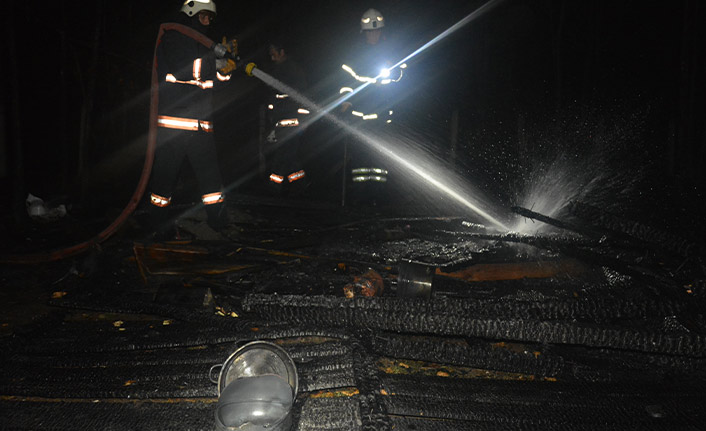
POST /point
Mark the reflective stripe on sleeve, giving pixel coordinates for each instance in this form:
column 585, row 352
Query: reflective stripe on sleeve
column 358, row 77
column 196, row 69
column 201, row 84
column 367, row 79
column 365, row 116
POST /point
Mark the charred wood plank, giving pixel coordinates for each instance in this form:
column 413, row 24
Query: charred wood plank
column 452, row 319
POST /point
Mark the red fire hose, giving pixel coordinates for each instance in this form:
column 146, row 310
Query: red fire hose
column 146, row 169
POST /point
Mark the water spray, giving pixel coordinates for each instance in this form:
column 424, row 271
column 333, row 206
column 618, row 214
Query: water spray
column 383, row 147
column 379, row 145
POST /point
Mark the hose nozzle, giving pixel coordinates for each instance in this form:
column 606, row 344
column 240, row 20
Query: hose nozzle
column 249, row 68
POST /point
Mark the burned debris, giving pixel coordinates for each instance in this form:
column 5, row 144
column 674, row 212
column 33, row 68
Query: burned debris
column 400, row 323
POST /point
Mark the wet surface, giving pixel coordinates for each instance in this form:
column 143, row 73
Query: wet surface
column 574, row 124
column 596, row 323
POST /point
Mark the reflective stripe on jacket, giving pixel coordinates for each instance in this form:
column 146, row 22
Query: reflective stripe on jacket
column 187, row 75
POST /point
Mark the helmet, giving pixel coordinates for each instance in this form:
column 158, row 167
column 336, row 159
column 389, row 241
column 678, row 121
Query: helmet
column 192, row 7
column 371, row 20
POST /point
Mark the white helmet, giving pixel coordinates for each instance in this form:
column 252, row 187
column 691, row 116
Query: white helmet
column 192, row 7
column 371, row 20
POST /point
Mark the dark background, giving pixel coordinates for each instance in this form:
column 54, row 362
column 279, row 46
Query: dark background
column 525, row 80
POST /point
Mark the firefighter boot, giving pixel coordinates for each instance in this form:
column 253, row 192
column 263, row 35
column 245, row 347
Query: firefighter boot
column 298, row 186
column 274, row 189
column 163, row 226
column 217, row 216
column 159, row 223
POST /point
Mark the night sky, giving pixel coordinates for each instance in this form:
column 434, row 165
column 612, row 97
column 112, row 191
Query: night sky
column 526, row 78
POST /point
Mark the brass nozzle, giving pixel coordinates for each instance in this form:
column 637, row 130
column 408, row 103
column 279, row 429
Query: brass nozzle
column 249, row 68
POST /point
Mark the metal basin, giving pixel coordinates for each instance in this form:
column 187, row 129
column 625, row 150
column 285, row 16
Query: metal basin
column 257, row 386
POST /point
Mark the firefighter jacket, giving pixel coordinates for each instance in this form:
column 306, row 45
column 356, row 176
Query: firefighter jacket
column 371, row 66
column 187, row 75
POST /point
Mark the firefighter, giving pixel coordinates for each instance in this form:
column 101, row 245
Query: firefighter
column 285, row 118
column 188, row 71
column 371, row 76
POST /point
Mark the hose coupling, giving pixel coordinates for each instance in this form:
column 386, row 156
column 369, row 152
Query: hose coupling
column 249, row 68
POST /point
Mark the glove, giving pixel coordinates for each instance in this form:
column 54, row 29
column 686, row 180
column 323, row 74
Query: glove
column 220, row 50
column 225, row 66
column 231, row 46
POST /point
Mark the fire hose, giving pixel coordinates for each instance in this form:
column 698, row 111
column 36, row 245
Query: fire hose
column 134, row 201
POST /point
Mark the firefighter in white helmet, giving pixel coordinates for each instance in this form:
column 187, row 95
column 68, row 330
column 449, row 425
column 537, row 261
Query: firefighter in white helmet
column 188, row 71
column 370, row 85
column 372, row 19
column 194, row 7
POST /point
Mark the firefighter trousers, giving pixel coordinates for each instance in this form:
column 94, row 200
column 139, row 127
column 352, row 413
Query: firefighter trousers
column 199, row 149
column 285, row 158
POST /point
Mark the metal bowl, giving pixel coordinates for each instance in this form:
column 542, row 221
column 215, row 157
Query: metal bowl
column 257, row 386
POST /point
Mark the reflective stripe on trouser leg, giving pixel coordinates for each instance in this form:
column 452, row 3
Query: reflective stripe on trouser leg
column 217, row 215
column 159, row 201
column 294, row 176
column 212, row 198
column 277, row 179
